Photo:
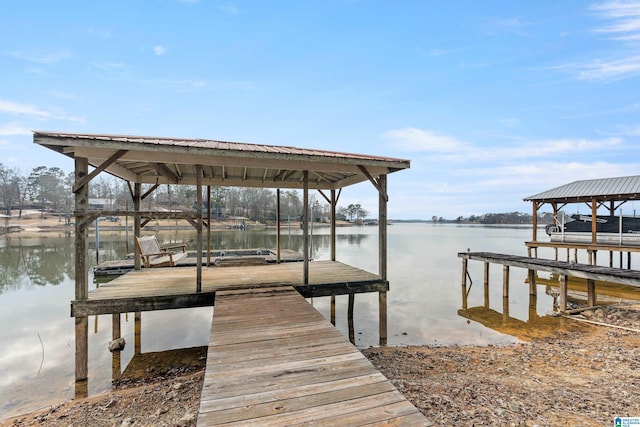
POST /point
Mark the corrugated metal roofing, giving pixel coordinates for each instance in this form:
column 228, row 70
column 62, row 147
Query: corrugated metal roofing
column 152, row 160
column 215, row 145
column 621, row 188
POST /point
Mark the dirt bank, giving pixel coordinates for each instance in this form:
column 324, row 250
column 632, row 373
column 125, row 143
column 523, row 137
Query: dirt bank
column 583, row 375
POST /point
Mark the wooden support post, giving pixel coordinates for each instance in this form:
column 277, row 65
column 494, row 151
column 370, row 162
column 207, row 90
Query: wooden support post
column 533, row 308
column 533, row 289
column 333, row 225
column 305, row 225
column 555, row 251
column 535, row 221
column 137, row 333
column 486, row 285
column 382, row 226
column 465, row 261
column 382, row 254
column 590, row 253
column 620, row 259
column 352, row 337
column 333, row 310
column 82, row 356
column 591, row 292
column 81, row 207
column 563, row 292
column 568, row 254
column 628, row 260
column 209, row 225
column 611, row 259
column 505, row 310
column 137, row 227
column 278, row 250
column 382, row 314
column 505, row 281
column 116, row 368
column 199, row 228
column 82, row 277
column 575, row 254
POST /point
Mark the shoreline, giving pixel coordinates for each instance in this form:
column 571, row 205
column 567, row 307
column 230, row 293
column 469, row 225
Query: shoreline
column 581, row 374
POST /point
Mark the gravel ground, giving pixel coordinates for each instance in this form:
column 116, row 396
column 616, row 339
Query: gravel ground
column 582, row 375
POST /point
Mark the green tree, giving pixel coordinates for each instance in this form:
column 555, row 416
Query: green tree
column 46, row 186
column 9, row 187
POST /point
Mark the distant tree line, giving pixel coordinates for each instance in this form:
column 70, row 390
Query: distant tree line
column 50, row 189
column 497, row 218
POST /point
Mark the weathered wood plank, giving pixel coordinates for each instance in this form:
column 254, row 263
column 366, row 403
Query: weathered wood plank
column 171, row 287
column 274, row 360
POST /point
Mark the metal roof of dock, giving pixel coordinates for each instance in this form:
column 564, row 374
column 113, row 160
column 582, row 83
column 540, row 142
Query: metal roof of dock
column 605, row 189
column 163, row 160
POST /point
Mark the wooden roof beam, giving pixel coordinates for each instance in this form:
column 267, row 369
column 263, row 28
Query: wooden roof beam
column 82, row 182
column 150, row 191
column 375, row 183
column 164, row 170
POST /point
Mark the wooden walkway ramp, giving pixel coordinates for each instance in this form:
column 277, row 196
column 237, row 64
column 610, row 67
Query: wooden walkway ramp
column 274, row 360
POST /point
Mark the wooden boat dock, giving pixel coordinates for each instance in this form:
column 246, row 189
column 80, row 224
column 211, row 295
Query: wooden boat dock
column 589, row 272
column 274, row 360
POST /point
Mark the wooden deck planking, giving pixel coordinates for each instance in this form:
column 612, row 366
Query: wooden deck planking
column 274, row 360
column 177, row 280
column 175, row 287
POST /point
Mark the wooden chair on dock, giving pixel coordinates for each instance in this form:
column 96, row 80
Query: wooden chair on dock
column 152, row 255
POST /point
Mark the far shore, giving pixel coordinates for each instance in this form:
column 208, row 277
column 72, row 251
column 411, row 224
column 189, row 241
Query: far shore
column 32, row 223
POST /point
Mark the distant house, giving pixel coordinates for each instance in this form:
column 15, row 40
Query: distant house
column 96, row 204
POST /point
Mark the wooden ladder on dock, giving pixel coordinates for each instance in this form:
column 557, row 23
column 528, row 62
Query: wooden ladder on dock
column 274, row 360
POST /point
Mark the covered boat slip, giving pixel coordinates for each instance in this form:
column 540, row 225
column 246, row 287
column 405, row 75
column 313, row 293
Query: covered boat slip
column 608, row 194
column 204, row 163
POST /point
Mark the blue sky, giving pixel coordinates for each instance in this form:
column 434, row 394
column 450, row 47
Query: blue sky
column 491, row 101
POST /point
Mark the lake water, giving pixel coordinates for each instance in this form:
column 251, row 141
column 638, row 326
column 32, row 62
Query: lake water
column 36, row 287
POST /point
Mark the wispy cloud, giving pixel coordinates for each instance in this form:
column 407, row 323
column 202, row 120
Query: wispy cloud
column 22, row 109
column 159, row 50
column 414, row 139
column 606, row 71
column 51, row 113
column 442, row 145
column 44, row 59
column 13, row 129
column 624, row 18
column 621, row 23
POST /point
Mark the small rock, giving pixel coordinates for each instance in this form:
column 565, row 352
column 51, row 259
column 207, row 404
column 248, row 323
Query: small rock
column 127, row 422
column 187, row 419
column 117, row 345
column 177, row 386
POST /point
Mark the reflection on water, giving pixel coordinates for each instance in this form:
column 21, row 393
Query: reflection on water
column 37, row 286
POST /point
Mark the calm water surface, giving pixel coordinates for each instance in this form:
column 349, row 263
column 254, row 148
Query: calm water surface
column 37, row 285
